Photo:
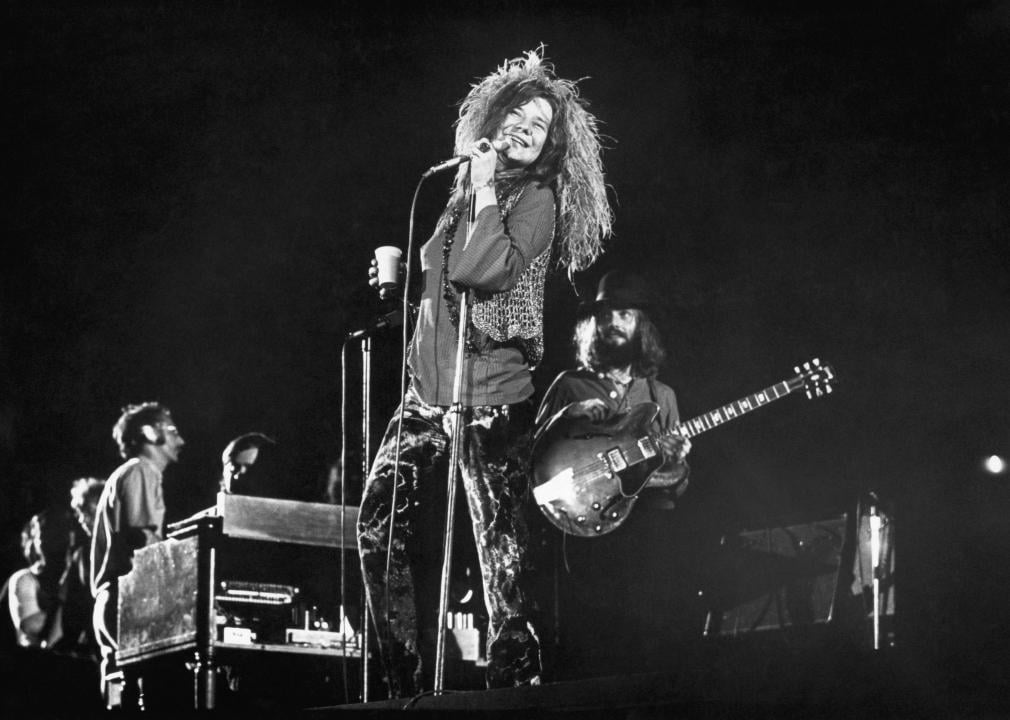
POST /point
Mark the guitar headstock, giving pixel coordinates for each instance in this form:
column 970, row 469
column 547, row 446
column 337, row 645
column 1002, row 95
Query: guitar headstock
column 816, row 377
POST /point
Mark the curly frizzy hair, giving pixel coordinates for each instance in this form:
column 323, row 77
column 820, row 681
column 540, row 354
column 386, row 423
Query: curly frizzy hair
column 573, row 162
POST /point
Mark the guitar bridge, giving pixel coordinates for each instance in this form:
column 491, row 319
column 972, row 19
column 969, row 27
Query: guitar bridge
column 614, row 459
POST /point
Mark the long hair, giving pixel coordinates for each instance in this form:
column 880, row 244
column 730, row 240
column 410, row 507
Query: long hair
column 570, row 163
column 648, row 356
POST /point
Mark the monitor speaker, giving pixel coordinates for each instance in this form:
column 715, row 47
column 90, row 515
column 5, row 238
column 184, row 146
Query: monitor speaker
column 777, row 577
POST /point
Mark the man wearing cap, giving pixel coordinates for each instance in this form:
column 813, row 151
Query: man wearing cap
column 619, row 352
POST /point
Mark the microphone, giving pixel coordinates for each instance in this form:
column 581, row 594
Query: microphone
column 497, row 145
column 390, row 319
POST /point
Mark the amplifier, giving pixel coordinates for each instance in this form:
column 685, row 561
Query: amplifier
column 777, row 577
column 254, row 612
column 236, row 591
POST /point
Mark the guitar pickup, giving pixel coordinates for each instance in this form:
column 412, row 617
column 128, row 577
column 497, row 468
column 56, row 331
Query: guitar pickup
column 615, row 460
column 647, row 448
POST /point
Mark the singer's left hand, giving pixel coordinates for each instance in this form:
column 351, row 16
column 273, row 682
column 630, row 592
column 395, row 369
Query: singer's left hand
column 484, row 160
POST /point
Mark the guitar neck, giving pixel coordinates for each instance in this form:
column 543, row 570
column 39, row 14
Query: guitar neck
column 720, row 416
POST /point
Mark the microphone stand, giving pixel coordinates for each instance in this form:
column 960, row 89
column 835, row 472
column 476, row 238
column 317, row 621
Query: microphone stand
column 366, row 384
column 875, row 565
column 456, row 417
column 366, row 450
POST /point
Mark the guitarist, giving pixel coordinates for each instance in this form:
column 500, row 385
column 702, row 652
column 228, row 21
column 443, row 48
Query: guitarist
column 619, row 352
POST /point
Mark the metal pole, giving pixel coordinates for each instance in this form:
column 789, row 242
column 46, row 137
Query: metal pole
column 456, row 418
column 875, row 561
column 204, row 669
column 366, row 455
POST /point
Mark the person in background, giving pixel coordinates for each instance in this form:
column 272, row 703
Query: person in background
column 248, row 467
column 619, row 352
column 54, row 665
column 130, row 512
column 85, row 493
column 79, row 635
column 34, row 592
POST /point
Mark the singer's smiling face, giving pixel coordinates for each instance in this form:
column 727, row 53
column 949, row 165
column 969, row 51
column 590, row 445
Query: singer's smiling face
column 525, row 128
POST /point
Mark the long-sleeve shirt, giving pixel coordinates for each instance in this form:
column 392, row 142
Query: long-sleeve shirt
column 492, row 261
column 574, row 386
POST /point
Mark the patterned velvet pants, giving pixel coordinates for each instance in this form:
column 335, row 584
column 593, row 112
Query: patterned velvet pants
column 494, row 455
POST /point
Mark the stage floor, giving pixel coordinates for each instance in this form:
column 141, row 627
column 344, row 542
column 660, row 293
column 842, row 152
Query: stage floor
column 756, row 677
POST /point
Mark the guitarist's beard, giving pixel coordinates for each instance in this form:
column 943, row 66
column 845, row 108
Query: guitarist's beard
column 610, row 354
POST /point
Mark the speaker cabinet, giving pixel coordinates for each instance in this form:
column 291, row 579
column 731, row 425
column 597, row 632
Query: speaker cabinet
column 777, row 577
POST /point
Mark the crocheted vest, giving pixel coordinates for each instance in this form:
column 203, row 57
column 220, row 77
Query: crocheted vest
column 516, row 314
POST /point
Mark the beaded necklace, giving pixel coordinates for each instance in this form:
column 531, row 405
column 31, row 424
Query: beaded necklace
column 448, row 291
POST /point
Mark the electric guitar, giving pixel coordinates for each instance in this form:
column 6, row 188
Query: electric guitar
column 587, row 476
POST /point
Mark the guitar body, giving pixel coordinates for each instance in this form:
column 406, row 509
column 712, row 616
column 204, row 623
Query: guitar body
column 587, row 476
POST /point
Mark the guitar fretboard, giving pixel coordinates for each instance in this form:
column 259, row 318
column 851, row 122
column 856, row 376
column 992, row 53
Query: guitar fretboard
column 720, row 416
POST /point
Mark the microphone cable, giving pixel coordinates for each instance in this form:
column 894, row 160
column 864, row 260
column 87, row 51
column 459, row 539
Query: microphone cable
column 343, row 518
column 404, row 339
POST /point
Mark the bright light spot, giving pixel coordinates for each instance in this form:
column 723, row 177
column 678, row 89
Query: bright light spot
column 995, row 465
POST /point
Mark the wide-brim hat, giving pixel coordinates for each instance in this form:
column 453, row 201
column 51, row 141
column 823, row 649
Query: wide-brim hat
column 619, row 289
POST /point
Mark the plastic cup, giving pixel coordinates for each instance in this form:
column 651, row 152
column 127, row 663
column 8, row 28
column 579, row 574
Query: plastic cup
column 387, row 259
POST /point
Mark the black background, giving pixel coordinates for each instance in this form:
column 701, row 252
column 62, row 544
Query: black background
column 194, row 191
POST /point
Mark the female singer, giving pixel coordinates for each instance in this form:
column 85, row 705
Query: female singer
column 533, row 189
